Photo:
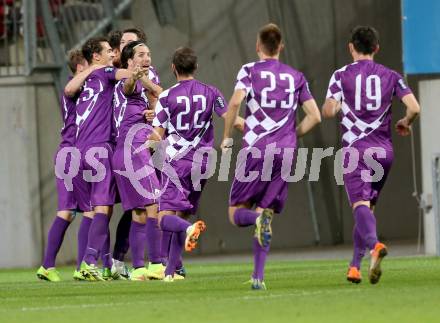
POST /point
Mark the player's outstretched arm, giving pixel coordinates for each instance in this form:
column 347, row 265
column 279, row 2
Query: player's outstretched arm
column 75, row 84
column 403, row 126
column 130, row 83
column 231, row 115
column 312, row 118
column 153, row 88
column 122, row 73
column 330, row 108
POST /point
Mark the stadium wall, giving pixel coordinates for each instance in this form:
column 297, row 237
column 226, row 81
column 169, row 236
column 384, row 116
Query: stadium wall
column 430, row 118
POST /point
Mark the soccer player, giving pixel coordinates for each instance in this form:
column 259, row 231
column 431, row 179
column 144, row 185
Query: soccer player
column 185, row 113
column 114, row 39
column 122, row 242
column 136, row 58
column 66, row 201
column 362, row 92
column 273, row 91
column 93, row 139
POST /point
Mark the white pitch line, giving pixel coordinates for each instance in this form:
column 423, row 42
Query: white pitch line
column 263, row 295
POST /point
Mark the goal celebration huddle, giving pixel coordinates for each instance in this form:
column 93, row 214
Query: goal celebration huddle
column 127, row 140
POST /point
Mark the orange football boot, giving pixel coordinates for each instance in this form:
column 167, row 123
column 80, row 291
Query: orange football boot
column 377, row 255
column 354, row 275
column 192, row 235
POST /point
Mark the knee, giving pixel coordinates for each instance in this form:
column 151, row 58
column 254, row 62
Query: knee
column 359, row 203
column 231, row 213
column 160, row 217
column 105, row 209
column 66, row 215
column 152, row 211
column 89, row 214
column 139, row 216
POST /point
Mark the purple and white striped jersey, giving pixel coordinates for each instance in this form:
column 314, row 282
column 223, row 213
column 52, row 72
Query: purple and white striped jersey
column 120, row 104
column 153, row 75
column 186, row 112
column 94, row 108
column 68, row 113
column 366, row 90
column 127, row 111
column 273, row 92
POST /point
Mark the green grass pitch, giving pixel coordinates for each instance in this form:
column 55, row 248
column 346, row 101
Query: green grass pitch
column 298, row 291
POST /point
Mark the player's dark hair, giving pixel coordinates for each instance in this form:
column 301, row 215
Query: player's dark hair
column 365, row 39
column 138, row 32
column 270, row 38
column 92, row 46
column 185, row 61
column 114, row 38
column 75, row 57
column 129, row 51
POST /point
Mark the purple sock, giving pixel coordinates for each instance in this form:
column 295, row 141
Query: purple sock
column 55, row 238
column 366, row 225
column 153, row 240
column 97, row 235
column 173, row 223
column 176, row 249
column 358, row 249
column 83, row 234
column 244, row 217
column 137, row 244
column 179, row 263
column 165, row 246
column 106, row 256
column 122, row 242
column 260, row 254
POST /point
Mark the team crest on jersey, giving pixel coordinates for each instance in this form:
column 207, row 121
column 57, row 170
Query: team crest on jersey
column 108, row 69
column 220, row 102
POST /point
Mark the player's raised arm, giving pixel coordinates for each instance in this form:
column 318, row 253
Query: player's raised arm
column 403, row 126
column 153, row 88
column 130, row 83
column 75, row 84
column 231, row 116
column 312, row 118
column 122, row 73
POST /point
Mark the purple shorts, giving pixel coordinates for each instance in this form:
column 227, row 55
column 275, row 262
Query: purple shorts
column 137, row 193
column 66, row 198
column 360, row 190
column 184, row 198
column 270, row 194
column 95, row 184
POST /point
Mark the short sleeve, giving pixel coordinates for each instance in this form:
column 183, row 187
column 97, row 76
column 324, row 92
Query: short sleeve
column 110, row 74
column 304, row 92
column 153, row 75
column 244, row 79
column 334, row 88
column 220, row 106
column 400, row 87
column 161, row 118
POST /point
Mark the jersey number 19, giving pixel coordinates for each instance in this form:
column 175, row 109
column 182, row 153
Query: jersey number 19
column 372, row 81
